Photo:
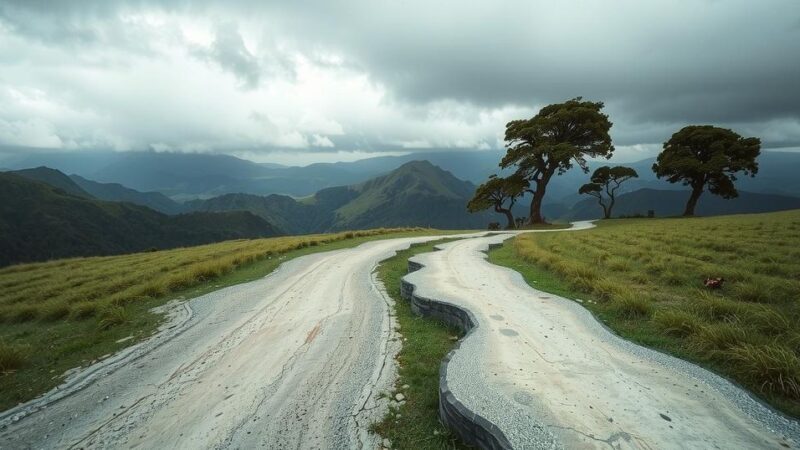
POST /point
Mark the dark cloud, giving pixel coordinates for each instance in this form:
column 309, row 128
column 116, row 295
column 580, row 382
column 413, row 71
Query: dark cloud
column 692, row 60
column 229, row 51
column 658, row 65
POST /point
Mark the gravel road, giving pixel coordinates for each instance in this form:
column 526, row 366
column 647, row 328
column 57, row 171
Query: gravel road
column 550, row 376
column 293, row 360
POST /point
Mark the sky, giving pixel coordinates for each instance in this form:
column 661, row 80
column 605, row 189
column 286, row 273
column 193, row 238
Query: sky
column 308, row 81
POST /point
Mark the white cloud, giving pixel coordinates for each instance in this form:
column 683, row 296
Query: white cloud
column 321, row 141
column 354, row 77
column 30, row 133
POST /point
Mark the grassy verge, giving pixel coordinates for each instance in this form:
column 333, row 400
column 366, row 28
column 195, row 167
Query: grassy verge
column 644, row 279
column 68, row 313
column 415, row 424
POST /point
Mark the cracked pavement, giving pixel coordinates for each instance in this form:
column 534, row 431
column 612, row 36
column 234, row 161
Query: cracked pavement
column 549, row 375
column 293, row 360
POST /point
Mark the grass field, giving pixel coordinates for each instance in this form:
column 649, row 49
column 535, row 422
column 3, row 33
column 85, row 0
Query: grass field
column 426, row 343
column 66, row 313
column 644, row 278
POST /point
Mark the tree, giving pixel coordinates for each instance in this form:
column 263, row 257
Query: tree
column 607, row 179
column 704, row 155
column 495, row 192
column 551, row 141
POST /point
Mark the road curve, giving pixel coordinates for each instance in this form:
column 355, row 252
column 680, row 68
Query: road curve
column 548, row 375
column 293, row 360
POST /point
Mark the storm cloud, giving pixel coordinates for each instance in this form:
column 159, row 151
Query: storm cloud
column 310, row 78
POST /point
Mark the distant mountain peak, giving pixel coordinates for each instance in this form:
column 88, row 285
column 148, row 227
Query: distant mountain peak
column 418, row 164
column 54, row 178
column 420, row 176
column 418, row 193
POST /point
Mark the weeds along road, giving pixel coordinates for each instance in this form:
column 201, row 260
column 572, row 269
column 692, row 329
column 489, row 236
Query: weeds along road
column 294, row 360
column 549, row 375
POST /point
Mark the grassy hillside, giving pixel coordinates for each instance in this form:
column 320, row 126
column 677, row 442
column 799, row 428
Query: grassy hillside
column 61, row 314
column 40, row 222
column 643, row 277
column 417, row 193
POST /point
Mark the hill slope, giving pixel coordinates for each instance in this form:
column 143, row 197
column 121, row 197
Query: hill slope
column 54, row 178
column 39, row 222
column 311, row 215
column 115, row 192
column 417, row 193
column 672, row 203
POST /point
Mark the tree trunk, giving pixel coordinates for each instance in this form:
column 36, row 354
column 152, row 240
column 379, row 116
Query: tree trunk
column 510, row 217
column 536, row 203
column 610, row 207
column 690, row 205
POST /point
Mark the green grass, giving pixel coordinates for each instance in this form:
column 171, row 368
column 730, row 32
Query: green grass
column 427, row 342
column 643, row 278
column 62, row 314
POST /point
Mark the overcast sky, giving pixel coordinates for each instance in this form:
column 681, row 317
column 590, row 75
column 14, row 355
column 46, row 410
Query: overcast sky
column 302, row 81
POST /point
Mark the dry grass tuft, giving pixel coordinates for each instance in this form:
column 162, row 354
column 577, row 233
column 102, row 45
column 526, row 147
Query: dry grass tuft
column 11, row 357
column 632, row 306
column 676, row 323
column 774, row 367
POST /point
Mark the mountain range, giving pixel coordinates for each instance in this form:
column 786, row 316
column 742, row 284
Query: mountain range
column 188, row 176
column 415, row 194
column 47, row 214
column 40, row 221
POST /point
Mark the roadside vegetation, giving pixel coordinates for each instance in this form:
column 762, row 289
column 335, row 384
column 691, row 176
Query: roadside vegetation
column 62, row 314
column 426, row 341
column 644, row 278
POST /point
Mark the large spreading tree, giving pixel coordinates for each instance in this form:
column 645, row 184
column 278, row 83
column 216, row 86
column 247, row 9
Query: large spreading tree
column 607, row 180
column 500, row 194
column 550, row 142
column 704, row 155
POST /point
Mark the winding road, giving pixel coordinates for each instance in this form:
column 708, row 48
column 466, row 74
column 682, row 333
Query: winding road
column 548, row 375
column 299, row 358
column 294, row 360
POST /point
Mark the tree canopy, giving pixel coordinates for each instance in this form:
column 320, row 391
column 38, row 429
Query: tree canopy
column 495, row 193
column 551, row 142
column 704, row 155
column 607, row 179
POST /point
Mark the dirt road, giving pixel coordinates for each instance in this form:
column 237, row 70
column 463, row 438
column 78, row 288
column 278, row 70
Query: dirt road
column 549, row 375
column 294, row 360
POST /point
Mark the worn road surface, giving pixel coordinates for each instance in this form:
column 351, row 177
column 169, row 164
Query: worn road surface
column 550, row 376
column 293, row 360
